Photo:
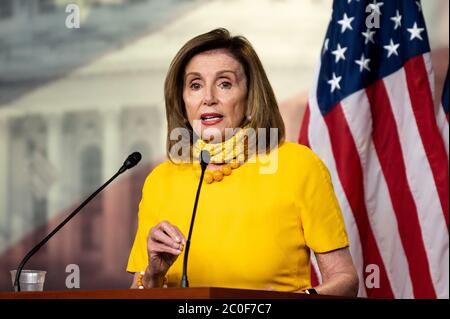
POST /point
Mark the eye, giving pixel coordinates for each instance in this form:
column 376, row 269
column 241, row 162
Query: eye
column 225, row 85
column 195, row 86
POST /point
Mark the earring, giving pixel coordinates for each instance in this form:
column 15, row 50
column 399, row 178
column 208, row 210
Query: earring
column 249, row 118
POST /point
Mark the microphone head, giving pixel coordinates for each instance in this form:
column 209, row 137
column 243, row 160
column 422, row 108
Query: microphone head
column 132, row 160
column 205, row 158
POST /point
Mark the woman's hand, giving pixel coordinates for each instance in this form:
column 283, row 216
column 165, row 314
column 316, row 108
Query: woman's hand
column 165, row 243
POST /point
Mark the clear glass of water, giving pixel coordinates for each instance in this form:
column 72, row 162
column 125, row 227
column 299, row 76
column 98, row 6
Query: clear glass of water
column 30, row 280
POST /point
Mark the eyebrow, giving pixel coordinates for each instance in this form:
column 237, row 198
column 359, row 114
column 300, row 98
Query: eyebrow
column 218, row 73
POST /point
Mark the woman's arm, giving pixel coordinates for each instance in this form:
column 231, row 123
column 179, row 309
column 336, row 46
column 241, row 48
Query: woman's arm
column 339, row 277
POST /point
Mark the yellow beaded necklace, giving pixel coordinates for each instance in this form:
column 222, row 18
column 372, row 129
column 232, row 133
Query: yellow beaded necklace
column 217, row 175
column 232, row 152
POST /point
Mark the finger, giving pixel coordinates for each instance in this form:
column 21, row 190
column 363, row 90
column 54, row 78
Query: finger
column 161, row 248
column 170, row 230
column 183, row 239
column 160, row 237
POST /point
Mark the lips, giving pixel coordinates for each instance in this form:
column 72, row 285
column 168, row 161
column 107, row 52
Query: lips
column 211, row 118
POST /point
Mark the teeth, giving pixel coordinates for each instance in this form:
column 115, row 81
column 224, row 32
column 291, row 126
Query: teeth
column 210, row 117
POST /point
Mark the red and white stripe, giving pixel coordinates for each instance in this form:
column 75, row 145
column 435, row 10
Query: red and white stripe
column 387, row 151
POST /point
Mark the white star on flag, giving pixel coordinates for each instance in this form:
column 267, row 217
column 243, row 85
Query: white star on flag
column 334, row 82
column 369, row 36
column 363, row 63
column 346, row 23
column 375, row 7
column 419, row 6
column 392, row 48
column 398, row 20
column 415, row 32
column 339, row 53
column 325, row 45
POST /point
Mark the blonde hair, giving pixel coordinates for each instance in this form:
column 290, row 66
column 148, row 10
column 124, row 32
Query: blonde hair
column 261, row 103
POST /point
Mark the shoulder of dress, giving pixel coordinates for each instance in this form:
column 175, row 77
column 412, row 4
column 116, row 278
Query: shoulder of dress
column 158, row 170
column 302, row 162
column 291, row 146
column 298, row 157
column 295, row 150
column 166, row 168
column 162, row 167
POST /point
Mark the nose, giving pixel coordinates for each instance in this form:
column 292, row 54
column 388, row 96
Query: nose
column 209, row 99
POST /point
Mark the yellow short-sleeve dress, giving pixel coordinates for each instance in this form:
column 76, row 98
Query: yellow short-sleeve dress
column 252, row 230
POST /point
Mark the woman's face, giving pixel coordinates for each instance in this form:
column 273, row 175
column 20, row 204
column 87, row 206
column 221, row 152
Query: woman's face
column 214, row 93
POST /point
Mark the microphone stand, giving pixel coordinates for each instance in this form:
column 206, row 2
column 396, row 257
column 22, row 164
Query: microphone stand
column 128, row 164
column 204, row 160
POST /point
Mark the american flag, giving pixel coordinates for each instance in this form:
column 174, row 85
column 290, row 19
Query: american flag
column 372, row 120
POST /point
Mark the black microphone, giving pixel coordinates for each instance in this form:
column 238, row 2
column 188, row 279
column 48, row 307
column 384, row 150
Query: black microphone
column 130, row 162
column 204, row 161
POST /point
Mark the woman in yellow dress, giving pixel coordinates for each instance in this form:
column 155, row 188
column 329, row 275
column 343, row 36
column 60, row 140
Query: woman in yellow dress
column 265, row 203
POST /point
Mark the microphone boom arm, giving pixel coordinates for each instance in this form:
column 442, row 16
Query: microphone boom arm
column 124, row 167
column 205, row 158
column 184, row 279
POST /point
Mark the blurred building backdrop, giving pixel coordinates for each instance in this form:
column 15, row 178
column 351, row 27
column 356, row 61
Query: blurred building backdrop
column 75, row 102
